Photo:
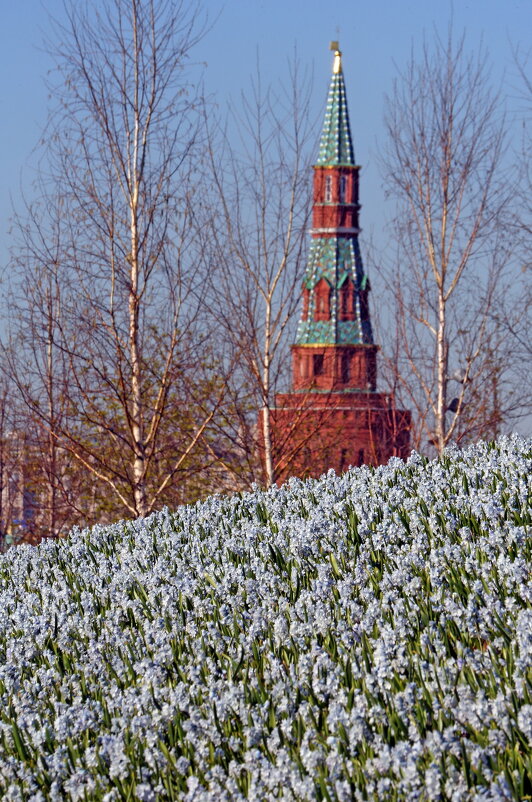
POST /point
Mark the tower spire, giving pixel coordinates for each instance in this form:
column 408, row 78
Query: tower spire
column 336, row 146
column 337, row 66
column 335, row 288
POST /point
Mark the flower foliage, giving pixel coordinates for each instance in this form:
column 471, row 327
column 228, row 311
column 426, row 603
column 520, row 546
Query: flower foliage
column 365, row 636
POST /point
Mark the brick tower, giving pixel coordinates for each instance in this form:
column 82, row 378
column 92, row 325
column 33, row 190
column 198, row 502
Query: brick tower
column 334, row 417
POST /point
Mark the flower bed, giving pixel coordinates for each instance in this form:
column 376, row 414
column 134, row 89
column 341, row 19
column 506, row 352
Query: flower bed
column 365, row 636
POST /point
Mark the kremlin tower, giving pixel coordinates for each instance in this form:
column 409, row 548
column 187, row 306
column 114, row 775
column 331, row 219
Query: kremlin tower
column 335, row 417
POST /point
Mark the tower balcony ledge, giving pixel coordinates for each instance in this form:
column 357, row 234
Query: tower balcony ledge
column 333, row 400
column 318, row 232
column 338, row 203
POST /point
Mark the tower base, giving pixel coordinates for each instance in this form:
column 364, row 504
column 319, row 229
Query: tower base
column 313, row 432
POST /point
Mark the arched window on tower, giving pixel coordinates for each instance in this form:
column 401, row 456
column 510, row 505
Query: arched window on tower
column 343, row 188
column 317, row 364
column 345, row 367
column 347, row 300
column 328, row 188
column 322, row 300
column 343, row 459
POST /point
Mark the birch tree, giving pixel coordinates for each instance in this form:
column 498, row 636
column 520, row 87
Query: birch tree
column 260, row 169
column 8, row 463
column 38, row 367
column 120, row 168
column 443, row 166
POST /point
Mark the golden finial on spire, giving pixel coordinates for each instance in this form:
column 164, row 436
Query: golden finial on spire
column 337, row 65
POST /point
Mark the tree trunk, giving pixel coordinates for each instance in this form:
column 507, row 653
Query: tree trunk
column 52, row 445
column 441, row 359
column 266, row 389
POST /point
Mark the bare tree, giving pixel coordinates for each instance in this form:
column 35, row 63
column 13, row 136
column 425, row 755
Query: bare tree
column 443, row 166
column 139, row 393
column 524, row 221
column 38, row 367
column 260, row 173
column 518, row 321
column 8, row 464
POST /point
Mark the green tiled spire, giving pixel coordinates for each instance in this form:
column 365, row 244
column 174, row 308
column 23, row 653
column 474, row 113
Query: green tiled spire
column 336, row 146
column 334, row 252
column 335, row 259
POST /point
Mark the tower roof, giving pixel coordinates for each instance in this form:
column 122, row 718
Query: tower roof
column 336, row 146
column 335, row 287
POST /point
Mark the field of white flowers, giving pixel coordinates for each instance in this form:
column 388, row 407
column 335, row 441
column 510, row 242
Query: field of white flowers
column 365, row 636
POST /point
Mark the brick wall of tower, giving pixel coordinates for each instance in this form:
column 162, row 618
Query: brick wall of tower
column 312, row 434
column 334, row 367
column 335, row 199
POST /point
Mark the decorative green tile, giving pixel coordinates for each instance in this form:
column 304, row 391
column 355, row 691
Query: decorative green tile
column 334, row 259
column 336, row 146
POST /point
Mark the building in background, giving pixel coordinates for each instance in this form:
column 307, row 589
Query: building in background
column 335, row 417
column 17, row 500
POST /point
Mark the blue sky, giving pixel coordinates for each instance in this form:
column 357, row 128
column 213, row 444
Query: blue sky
column 374, row 36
